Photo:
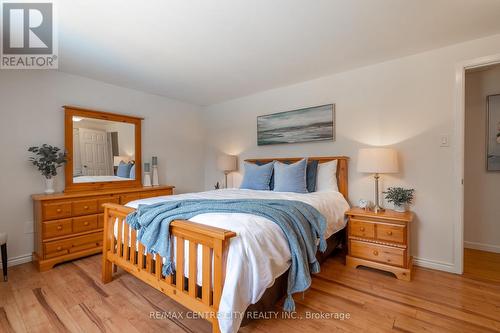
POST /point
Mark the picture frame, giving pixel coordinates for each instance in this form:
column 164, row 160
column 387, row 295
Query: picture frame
column 310, row 124
column 493, row 133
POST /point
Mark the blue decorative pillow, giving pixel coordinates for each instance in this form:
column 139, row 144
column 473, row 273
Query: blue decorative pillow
column 132, row 172
column 123, row 169
column 290, row 177
column 311, row 175
column 257, row 177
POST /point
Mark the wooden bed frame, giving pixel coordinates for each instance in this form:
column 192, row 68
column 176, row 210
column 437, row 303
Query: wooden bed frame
column 203, row 299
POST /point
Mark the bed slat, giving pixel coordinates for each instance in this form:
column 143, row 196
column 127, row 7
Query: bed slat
column 193, row 249
column 179, row 265
column 206, row 284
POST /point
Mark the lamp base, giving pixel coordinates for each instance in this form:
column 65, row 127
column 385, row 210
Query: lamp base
column 377, row 209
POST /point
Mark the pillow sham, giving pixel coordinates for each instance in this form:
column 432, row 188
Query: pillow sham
column 123, row 170
column 257, row 177
column 311, row 172
column 326, row 179
column 132, row 172
column 290, row 177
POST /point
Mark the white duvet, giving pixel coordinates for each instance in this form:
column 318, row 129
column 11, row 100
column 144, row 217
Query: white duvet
column 259, row 253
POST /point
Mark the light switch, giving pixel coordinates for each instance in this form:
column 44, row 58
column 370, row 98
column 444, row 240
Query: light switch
column 445, row 141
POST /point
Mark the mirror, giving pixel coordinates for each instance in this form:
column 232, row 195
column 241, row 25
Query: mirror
column 104, row 149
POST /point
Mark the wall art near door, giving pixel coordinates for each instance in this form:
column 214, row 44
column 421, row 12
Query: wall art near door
column 303, row 125
column 493, row 133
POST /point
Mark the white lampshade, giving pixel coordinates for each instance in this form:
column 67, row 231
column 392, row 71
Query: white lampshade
column 377, row 160
column 118, row 159
column 226, row 163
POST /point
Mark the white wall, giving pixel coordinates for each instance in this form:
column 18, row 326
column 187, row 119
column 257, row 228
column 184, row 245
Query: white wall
column 407, row 103
column 31, row 114
column 482, row 188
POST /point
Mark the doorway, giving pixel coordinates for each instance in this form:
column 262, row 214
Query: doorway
column 481, row 206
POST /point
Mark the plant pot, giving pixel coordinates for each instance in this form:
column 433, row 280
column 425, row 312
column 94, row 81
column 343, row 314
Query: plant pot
column 401, row 208
column 49, row 185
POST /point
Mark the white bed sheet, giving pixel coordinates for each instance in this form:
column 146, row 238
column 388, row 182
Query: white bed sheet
column 259, row 253
column 96, row 179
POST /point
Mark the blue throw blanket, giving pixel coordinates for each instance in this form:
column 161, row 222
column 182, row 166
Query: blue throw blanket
column 301, row 223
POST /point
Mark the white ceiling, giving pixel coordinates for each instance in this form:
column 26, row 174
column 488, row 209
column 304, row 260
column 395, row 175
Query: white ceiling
column 208, row 51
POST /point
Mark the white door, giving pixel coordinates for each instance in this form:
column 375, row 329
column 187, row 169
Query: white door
column 93, row 149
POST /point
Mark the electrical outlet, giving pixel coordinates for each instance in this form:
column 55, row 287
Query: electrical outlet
column 444, row 141
column 28, row 227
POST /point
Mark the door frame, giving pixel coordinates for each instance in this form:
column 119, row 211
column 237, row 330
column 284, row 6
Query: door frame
column 459, row 153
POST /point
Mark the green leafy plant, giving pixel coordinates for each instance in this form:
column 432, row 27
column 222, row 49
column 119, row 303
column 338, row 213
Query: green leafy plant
column 399, row 196
column 47, row 159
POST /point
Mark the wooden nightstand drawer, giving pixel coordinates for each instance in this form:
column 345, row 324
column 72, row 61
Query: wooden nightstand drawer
column 84, row 207
column 385, row 254
column 56, row 210
column 359, row 228
column 51, row 229
column 84, row 223
column 391, row 233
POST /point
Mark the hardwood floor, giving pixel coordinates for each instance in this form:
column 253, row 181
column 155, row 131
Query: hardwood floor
column 72, row 298
column 482, row 265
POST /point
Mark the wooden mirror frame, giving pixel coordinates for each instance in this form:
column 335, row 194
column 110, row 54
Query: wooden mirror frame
column 69, row 113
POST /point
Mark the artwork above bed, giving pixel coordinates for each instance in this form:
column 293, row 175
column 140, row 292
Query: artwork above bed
column 303, row 125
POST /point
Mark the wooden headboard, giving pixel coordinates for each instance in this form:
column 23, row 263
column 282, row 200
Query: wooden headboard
column 341, row 168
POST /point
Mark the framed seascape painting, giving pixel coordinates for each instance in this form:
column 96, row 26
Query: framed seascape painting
column 303, row 125
column 493, row 133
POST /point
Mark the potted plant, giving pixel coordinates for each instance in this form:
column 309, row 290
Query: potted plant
column 47, row 159
column 400, row 197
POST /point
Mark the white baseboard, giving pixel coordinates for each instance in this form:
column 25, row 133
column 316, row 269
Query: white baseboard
column 482, row 247
column 434, row 264
column 19, row 260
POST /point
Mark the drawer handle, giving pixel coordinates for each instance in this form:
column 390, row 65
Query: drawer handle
column 85, row 223
column 375, row 252
column 85, row 207
column 59, row 227
column 58, row 210
column 59, row 248
column 362, row 229
column 389, row 233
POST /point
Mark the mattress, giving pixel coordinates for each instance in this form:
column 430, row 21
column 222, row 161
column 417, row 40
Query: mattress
column 259, row 253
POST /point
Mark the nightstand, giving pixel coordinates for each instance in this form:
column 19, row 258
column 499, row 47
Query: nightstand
column 380, row 240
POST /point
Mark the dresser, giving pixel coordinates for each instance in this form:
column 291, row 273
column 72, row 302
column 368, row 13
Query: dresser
column 69, row 225
column 380, row 240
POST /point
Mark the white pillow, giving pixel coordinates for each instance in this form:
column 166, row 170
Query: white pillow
column 326, row 178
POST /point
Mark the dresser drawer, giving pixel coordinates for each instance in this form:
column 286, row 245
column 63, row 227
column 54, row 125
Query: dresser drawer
column 391, row 233
column 152, row 194
column 51, row 229
column 384, row 254
column 62, row 247
column 56, row 210
column 359, row 228
column 102, row 201
column 126, row 198
column 84, row 207
column 100, row 221
column 84, row 223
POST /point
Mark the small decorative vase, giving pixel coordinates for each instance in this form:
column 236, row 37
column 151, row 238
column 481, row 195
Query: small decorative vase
column 147, row 179
column 400, row 208
column 156, row 182
column 49, row 185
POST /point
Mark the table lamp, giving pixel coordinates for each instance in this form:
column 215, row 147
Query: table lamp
column 227, row 164
column 377, row 161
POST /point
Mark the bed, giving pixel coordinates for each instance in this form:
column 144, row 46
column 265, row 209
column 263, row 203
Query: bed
column 219, row 257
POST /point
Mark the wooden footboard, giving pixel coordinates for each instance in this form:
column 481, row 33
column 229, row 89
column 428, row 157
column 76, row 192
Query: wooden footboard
column 123, row 252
